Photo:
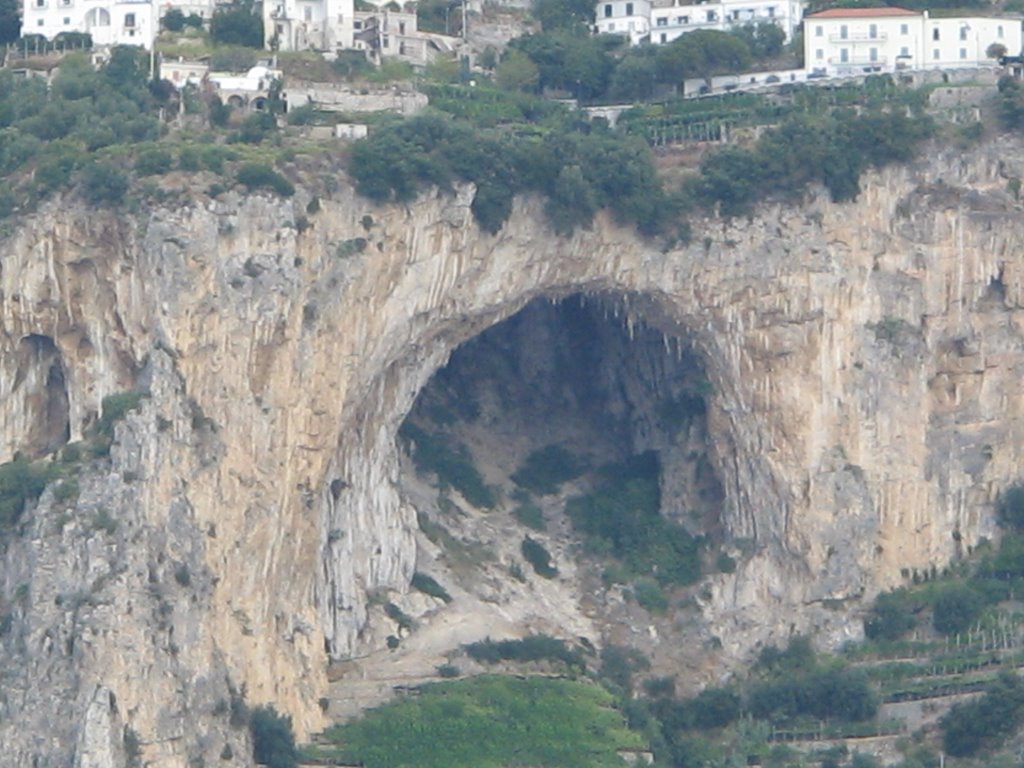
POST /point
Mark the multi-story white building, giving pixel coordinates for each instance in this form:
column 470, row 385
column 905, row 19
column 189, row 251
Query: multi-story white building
column 625, row 17
column 850, row 41
column 670, row 21
column 664, row 20
column 299, row 25
column 109, row 22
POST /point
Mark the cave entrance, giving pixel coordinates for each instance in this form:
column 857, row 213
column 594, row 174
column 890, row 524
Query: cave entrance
column 584, row 431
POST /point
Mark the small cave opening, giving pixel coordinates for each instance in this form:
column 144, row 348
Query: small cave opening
column 41, row 394
column 568, row 439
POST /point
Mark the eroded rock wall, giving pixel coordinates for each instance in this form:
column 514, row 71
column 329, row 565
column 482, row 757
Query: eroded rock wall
column 866, row 360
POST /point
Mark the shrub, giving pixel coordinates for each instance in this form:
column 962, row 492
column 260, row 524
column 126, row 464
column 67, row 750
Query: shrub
column 153, row 162
column 397, row 615
column 104, row 183
column 987, row 721
column 956, row 608
column 649, row 595
column 189, row 159
column 714, row 708
column 273, row 742
column 255, row 128
column 21, row 481
column 622, row 517
column 448, row 671
column 544, row 470
column 530, row 515
column 619, row 664
column 450, row 462
column 532, row 648
column 537, row 555
column 428, row 585
column 1010, row 508
column 891, row 617
column 261, row 176
column 113, row 408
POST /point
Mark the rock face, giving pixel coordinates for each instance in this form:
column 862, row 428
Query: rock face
column 866, row 361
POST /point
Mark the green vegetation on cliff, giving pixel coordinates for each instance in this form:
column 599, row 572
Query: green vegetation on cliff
column 491, row 722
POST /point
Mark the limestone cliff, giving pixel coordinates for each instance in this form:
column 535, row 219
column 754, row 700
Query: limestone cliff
column 866, row 360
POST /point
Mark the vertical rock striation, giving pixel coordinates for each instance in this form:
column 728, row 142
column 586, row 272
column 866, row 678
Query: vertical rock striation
column 866, row 360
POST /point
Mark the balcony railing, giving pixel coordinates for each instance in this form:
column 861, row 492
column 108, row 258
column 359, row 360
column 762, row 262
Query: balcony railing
column 859, row 61
column 858, row 38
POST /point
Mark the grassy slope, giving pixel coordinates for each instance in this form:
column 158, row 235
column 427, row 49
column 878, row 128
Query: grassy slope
column 489, row 722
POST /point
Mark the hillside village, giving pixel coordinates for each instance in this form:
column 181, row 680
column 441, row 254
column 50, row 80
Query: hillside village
column 791, row 41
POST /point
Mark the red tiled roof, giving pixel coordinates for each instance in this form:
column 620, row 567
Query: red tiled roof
column 861, row 13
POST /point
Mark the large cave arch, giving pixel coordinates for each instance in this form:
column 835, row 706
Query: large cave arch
column 642, row 358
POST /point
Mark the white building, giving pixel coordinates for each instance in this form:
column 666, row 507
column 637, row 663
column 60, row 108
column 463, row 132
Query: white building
column 852, row 41
column 299, row 25
column 669, row 22
column 625, row 17
column 109, row 22
column 665, row 20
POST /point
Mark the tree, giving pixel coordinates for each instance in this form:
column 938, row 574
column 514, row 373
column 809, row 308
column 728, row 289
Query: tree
column 572, row 15
column 10, row 21
column 704, row 53
column 173, row 20
column 995, row 51
column 273, row 742
column 104, row 183
column 956, row 608
column 517, row 72
column 765, row 40
column 634, row 78
column 237, row 25
column 1011, row 502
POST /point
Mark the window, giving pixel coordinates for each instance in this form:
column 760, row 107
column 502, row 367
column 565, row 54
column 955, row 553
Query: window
column 40, row 3
column 355, row 25
column 771, row 11
column 963, row 53
column 818, row 31
column 401, row 49
column 904, row 51
column 401, row 27
column 384, row 41
column 611, row 26
column 662, row 22
column 843, row 32
column 664, row 37
column 935, row 33
column 307, row 13
column 844, row 54
column 279, row 28
column 873, row 54
column 682, row 19
column 607, row 11
column 629, row 9
column 873, row 31
column 999, row 31
column 963, row 33
column 935, row 54
column 819, row 53
column 904, row 29
column 712, row 16
column 39, row 23
column 67, row 20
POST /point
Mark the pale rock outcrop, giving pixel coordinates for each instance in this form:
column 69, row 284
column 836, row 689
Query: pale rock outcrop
column 866, row 360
